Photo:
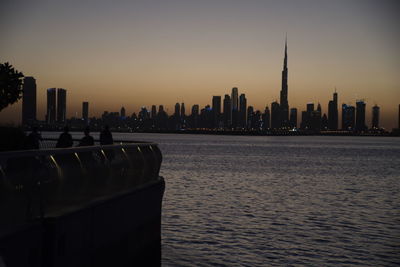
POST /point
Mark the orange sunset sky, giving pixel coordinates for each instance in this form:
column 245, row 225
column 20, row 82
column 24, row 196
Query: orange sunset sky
column 140, row 53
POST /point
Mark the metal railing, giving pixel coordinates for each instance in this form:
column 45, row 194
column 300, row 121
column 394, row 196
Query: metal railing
column 34, row 183
column 47, row 143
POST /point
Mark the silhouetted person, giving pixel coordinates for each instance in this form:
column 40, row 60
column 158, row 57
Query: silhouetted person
column 107, row 139
column 33, row 139
column 87, row 140
column 106, row 136
column 65, row 139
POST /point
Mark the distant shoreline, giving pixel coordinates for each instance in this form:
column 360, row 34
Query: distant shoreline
column 246, row 133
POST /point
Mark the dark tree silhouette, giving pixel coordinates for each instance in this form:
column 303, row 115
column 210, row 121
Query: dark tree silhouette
column 10, row 85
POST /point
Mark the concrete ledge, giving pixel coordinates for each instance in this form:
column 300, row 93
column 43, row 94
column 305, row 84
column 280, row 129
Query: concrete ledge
column 22, row 245
column 119, row 230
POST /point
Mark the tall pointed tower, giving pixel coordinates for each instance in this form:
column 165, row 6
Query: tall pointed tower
column 284, row 105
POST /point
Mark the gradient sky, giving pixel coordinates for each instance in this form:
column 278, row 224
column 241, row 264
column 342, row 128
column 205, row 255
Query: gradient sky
column 139, row 53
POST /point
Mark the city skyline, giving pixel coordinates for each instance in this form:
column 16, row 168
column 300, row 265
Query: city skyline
column 236, row 114
column 193, row 55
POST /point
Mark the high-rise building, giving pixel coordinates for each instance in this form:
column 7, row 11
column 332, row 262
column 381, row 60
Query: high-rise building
column 293, row 117
column 310, row 107
column 242, row 111
column 123, row 112
column 257, row 120
column 284, row 104
column 266, row 118
column 216, row 110
column 235, row 98
column 85, row 112
column 227, row 112
column 375, row 117
column 315, row 121
column 183, row 110
column 360, row 116
column 250, row 117
column 153, row 112
column 29, row 101
column 61, row 105
column 195, row 110
column 275, row 115
column 348, row 117
column 177, row 110
column 183, row 116
column 235, row 107
column 51, row 106
column 333, row 114
column 143, row 114
column 324, row 122
column 216, row 104
column 304, row 120
column 194, row 118
column 309, row 117
column 162, row 118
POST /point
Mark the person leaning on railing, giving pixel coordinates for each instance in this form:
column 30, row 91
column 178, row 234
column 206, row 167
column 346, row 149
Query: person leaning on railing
column 107, row 139
column 65, row 139
column 87, row 140
column 106, row 136
column 33, row 139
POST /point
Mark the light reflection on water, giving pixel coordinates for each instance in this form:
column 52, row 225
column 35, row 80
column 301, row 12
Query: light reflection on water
column 237, row 200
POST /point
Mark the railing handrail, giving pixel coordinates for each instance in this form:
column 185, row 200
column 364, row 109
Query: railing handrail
column 115, row 141
column 69, row 150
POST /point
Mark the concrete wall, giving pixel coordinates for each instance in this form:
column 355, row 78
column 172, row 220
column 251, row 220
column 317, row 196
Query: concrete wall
column 119, row 230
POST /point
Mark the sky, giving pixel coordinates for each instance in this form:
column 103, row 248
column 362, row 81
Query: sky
column 140, row 53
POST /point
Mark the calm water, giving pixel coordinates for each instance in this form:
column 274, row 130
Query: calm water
column 263, row 201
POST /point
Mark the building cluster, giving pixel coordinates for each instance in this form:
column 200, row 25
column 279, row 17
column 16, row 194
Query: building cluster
column 229, row 113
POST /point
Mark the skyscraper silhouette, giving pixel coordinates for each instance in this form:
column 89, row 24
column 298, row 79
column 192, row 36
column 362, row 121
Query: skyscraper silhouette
column 284, row 105
column 293, row 117
column 61, row 105
column 250, row 117
column 266, row 118
column 308, row 117
column 242, row 111
column 85, row 112
column 29, row 101
column 216, row 104
column 360, row 116
column 324, row 122
column 195, row 110
column 183, row 116
column 375, row 117
column 235, row 107
column 348, row 117
column 177, row 110
column 183, row 110
column 227, row 112
column 310, row 107
column 51, row 106
column 235, row 98
column 316, row 118
column 275, row 115
column 216, row 110
column 333, row 113
column 153, row 112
